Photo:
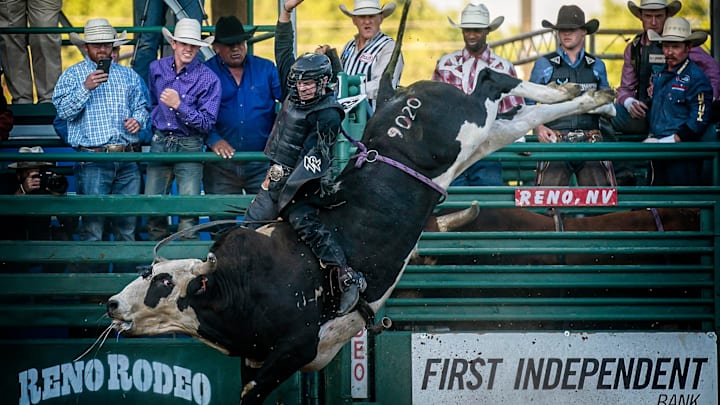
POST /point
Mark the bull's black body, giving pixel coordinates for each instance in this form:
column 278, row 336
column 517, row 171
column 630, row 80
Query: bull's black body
column 378, row 217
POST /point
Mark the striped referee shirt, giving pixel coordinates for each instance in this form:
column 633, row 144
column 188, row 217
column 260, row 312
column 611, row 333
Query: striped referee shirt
column 371, row 61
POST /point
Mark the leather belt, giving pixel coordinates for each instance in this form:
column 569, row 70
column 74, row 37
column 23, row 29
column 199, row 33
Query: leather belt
column 278, row 171
column 579, row 135
column 112, row 148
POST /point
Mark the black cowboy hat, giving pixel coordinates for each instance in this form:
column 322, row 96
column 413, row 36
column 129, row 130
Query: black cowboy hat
column 571, row 18
column 230, row 30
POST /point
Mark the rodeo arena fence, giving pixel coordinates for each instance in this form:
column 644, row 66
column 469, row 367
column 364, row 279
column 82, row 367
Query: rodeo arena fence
column 625, row 315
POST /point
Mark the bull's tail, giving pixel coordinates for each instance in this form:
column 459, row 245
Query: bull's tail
column 385, row 88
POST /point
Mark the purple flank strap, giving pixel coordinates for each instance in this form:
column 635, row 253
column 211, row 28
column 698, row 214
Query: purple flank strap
column 656, row 217
column 371, row 156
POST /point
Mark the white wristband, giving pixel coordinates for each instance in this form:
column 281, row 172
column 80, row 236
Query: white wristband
column 629, row 102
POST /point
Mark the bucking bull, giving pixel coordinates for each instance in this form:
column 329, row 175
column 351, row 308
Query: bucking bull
column 476, row 219
column 262, row 296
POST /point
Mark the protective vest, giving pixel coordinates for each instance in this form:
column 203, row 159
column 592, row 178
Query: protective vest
column 291, row 128
column 646, row 60
column 583, row 75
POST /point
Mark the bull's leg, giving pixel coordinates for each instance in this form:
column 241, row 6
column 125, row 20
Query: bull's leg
column 546, row 94
column 277, row 367
column 505, row 132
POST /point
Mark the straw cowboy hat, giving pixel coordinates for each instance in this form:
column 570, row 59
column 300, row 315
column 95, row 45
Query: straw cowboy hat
column 369, row 7
column 572, row 18
column 672, row 8
column 230, row 30
column 30, row 165
column 477, row 16
column 187, row 31
column 99, row 31
column 677, row 29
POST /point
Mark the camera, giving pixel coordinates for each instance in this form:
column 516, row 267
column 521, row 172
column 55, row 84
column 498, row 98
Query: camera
column 52, row 182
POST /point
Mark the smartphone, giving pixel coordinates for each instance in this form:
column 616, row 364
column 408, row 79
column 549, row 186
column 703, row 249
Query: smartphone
column 104, row 64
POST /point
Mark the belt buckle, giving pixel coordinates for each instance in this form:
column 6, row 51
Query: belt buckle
column 115, row 148
column 276, row 172
column 575, row 136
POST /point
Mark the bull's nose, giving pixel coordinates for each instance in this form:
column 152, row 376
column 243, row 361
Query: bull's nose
column 111, row 307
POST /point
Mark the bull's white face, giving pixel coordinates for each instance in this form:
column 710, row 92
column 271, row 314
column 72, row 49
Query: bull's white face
column 149, row 304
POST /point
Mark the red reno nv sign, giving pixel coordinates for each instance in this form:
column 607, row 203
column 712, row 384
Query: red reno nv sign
column 565, row 197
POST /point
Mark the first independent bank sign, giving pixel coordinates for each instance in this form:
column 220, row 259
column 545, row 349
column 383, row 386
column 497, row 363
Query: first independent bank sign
column 565, row 368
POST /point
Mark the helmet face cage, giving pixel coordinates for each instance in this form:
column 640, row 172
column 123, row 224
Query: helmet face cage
column 310, row 66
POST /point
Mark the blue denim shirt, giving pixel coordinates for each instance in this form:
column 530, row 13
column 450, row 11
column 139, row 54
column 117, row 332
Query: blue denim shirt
column 247, row 110
column 681, row 102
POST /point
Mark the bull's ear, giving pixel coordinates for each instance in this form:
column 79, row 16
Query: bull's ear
column 206, row 267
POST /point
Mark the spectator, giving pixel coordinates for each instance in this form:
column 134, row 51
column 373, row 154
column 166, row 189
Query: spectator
column 570, row 63
column 642, row 58
column 44, row 49
column 104, row 113
column 369, row 52
column 250, row 89
column 60, row 125
column 459, row 68
column 306, row 130
column 681, row 102
column 37, row 177
column 185, row 96
column 152, row 13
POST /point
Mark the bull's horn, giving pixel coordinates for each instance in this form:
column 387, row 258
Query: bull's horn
column 454, row 220
column 206, row 267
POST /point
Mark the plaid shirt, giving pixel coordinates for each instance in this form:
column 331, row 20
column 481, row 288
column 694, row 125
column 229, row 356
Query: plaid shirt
column 97, row 117
column 460, row 68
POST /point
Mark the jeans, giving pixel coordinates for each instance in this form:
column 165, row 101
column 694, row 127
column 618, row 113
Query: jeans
column 101, row 178
column 623, row 122
column 160, row 176
column 480, row 174
column 149, row 42
column 228, row 177
column 264, row 207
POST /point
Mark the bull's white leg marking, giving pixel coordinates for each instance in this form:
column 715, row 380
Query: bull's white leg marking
column 334, row 334
column 476, row 142
column 545, row 94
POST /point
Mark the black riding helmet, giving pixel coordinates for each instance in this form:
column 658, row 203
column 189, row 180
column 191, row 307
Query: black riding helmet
column 310, row 66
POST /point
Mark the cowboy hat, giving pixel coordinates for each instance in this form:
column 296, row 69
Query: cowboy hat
column 571, row 18
column 230, row 30
column 677, row 29
column 187, row 31
column 99, row 31
column 477, row 16
column 672, row 8
column 369, row 7
column 30, row 165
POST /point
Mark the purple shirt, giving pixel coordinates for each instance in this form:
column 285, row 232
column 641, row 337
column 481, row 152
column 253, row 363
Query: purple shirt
column 199, row 90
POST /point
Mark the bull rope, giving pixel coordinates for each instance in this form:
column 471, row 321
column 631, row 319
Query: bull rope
column 372, row 155
column 186, row 231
